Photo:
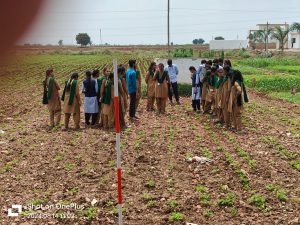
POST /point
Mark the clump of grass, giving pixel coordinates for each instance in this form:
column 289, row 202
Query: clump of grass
column 206, row 153
column 234, row 211
column 172, row 204
column 295, row 164
column 207, row 213
column 150, row 184
column 280, row 193
column 176, row 216
column 69, row 166
column 259, row 201
column 227, row 201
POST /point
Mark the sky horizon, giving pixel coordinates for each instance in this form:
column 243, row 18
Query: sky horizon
column 134, row 22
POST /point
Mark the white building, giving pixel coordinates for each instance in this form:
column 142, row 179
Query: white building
column 294, row 41
column 227, row 44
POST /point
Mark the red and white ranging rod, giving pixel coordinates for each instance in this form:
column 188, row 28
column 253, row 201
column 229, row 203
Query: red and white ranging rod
column 118, row 131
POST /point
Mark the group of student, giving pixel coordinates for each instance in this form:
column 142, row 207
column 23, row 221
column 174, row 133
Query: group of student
column 216, row 87
column 220, row 91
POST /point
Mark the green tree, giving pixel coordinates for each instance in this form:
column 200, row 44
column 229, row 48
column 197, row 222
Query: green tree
column 219, row 38
column 295, row 27
column 254, row 38
column 199, row 41
column 83, row 39
column 281, row 35
column 264, row 36
column 60, row 42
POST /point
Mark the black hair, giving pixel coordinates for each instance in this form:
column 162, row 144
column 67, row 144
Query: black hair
column 120, row 69
column 88, row 73
column 226, row 69
column 237, row 76
column 151, row 66
column 227, row 62
column 215, row 61
column 48, row 72
column 209, row 62
column 74, row 76
column 213, row 69
column 96, row 73
column 132, row 63
column 203, row 61
column 221, row 60
column 169, row 62
column 192, row 68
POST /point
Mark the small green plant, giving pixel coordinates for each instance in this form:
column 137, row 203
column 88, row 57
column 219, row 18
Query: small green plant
column 295, row 164
column 111, row 163
column 58, row 158
column 259, row 201
column 73, row 190
column 206, row 153
column 201, row 188
column 227, row 201
column 89, row 213
column 208, row 213
column 69, row 166
column 151, row 204
column 205, row 199
column 244, row 179
column 271, row 187
column 172, row 204
column 147, row 196
column 176, row 216
column 281, row 195
column 150, row 184
column 234, row 211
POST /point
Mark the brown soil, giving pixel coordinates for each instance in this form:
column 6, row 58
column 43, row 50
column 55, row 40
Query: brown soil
column 53, row 166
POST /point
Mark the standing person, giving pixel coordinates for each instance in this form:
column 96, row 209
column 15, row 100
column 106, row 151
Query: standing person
column 150, row 81
column 212, row 80
column 201, row 69
column 90, row 90
column 72, row 101
column 122, row 97
column 238, row 95
column 173, row 73
column 132, row 88
column 139, row 86
column 196, row 89
column 107, row 102
column 161, row 87
column 98, row 80
column 226, row 88
column 218, row 95
column 121, row 74
column 51, row 98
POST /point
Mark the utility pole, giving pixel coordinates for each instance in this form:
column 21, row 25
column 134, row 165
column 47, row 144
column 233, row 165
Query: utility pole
column 100, row 38
column 267, row 37
column 169, row 27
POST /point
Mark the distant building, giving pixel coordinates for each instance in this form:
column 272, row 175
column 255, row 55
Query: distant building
column 294, row 40
column 272, row 43
column 227, row 44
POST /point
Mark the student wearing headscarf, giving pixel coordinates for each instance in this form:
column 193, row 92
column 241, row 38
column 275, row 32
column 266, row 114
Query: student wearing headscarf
column 51, row 98
column 72, row 101
column 161, row 87
column 150, row 81
column 238, row 95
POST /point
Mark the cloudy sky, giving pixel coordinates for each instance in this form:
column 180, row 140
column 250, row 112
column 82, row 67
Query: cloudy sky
column 145, row 21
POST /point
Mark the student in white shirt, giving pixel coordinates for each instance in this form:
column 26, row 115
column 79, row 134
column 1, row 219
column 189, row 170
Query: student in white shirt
column 173, row 72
